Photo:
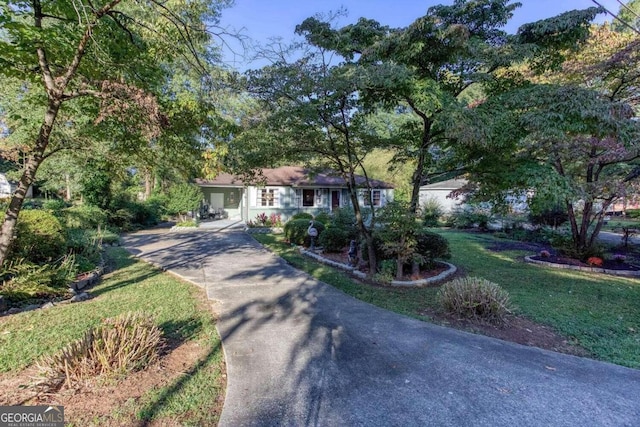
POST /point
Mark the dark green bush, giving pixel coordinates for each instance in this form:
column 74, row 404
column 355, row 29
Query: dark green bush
column 302, row 215
column 334, row 239
column 85, row 216
column 632, row 213
column 55, row 206
column 345, row 219
column 431, row 246
column 295, row 231
column 40, row 237
column 553, row 217
column 323, row 217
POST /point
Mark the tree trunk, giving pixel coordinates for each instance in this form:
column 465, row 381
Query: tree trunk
column 149, row 183
column 67, row 181
column 28, row 176
column 365, row 233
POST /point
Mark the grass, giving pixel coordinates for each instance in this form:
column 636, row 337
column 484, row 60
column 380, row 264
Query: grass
column 133, row 286
column 602, row 313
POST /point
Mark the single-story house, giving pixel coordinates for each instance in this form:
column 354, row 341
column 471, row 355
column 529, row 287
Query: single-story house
column 286, row 191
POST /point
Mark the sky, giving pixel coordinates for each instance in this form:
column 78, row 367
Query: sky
column 260, row 20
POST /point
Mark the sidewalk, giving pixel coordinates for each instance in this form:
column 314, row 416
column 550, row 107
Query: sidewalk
column 300, row 352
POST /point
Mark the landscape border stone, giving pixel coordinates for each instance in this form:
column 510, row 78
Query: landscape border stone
column 452, row 269
column 624, row 273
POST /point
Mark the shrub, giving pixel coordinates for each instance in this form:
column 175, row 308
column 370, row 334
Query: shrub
column 302, row 215
column 120, row 345
column 469, row 216
column 431, row 246
column 85, row 216
column 475, row 298
column 323, row 217
column 553, row 217
column 23, row 280
column 334, row 239
column 295, row 231
column 188, row 223
column 184, row 198
column 55, row 206
column 386, row 271
column 39, row 237
column 432, row 210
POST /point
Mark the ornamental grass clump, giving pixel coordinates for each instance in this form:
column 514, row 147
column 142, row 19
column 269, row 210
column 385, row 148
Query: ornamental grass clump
column 120, row 345
column 475, row 298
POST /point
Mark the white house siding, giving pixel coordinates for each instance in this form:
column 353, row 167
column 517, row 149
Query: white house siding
column 441, row 192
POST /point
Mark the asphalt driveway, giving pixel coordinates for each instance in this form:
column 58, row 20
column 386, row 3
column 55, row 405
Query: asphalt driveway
column 300, row 353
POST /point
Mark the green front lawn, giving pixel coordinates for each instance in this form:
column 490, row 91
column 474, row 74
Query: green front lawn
column 133, row 286
column 602, row 313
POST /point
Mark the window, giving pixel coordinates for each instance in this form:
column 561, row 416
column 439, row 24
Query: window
column 375, row 196
column 268, row 197
column 308, row 197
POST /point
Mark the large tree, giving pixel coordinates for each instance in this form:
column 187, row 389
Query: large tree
column 429, row 66
column 316, row 117
column 103, row 57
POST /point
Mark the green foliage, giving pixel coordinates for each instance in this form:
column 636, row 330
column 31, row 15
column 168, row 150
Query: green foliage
column 431, row 211
column 470, row 216
column 40, row 237
column 431, row 246
column 553, row 217
column 23, row 280
column 475, row 298
column 184, row 198
column 633, row 213
column 323, row 217
column 398, row 230
column 302, row 215
column 85, row 216
column 295, row 231
column 96, row 186
column 55, row 206
column 334, row 239
column 190, row 223
column 345, row 219
column 119, row 346
column 386, row 271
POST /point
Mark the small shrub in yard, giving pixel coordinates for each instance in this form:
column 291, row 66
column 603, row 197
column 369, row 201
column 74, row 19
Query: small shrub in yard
column 432, row 210
column 323, row 217
column 334, row 239
column 40, row 237
column 22, row 280
column 118, row 346
column 475, row 298
column 431, row 246
column 295, row 231
column 85, row 216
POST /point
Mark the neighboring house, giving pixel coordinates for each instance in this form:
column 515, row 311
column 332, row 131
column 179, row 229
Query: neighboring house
column 441, row 191
column 7, row 187
column 286, row 191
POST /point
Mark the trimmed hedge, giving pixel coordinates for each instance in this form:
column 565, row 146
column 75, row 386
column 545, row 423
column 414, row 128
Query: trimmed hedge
column 40, row 237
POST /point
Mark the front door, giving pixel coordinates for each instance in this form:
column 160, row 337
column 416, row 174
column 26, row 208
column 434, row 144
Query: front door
column 335, row 199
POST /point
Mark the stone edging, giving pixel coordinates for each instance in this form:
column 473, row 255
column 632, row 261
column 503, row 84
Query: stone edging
column 629, row 273
column 359, row 274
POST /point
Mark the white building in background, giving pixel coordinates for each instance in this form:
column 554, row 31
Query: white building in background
column 7, row 187
column 441, row 192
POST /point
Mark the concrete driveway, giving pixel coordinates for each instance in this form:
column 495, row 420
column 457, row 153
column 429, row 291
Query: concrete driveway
column 301, row 353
